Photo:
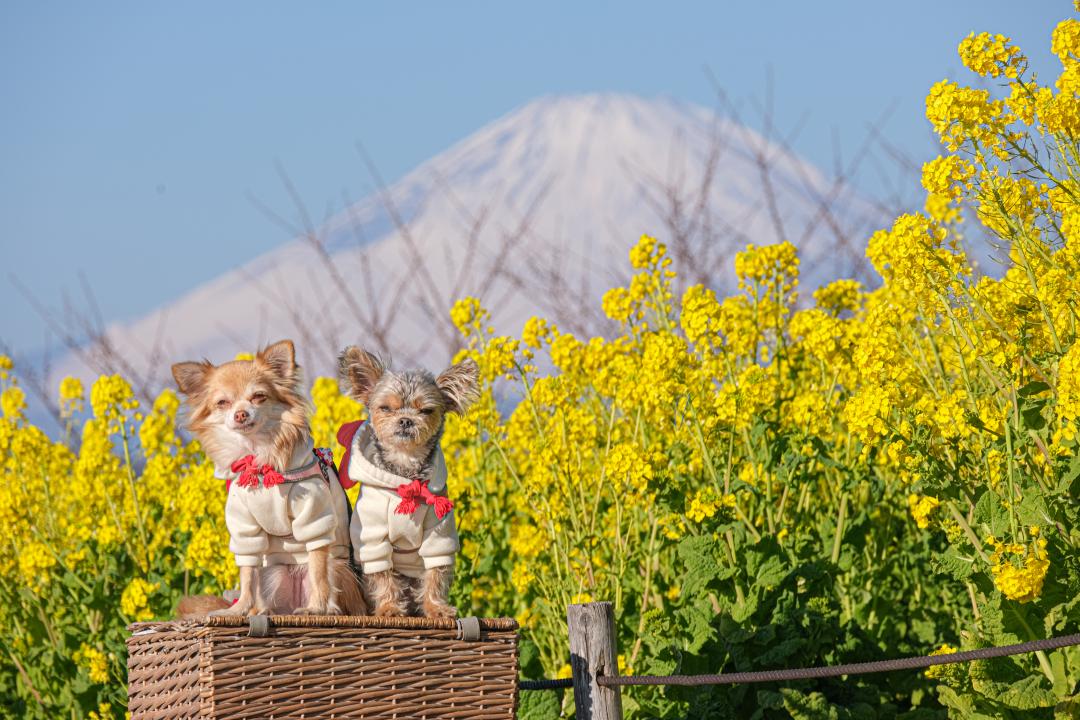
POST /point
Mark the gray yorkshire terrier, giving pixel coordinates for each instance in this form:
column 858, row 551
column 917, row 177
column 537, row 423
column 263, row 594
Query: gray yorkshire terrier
column 403, row 530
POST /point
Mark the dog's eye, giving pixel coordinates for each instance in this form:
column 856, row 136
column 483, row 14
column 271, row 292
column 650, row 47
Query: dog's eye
column 384, row 408
column 223, row 403
column 426, row 411
column 258, row 397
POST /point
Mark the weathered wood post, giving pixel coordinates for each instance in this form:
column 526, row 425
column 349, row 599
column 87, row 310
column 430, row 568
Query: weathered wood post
column 593, row 653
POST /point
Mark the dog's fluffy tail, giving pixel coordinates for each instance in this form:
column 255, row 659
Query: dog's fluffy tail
column 193, row 607
column 346, row 583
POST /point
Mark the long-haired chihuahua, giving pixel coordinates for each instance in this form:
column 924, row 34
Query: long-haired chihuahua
column 286, row 512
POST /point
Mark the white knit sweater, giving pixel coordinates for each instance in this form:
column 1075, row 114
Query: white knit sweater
column 280, row 525
column 384, row 540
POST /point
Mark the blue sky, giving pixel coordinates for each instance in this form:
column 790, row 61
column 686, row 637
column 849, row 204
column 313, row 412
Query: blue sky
column 133, row 134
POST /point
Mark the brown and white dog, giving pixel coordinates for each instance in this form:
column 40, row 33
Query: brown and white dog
column 286, row 513
column 403, row 531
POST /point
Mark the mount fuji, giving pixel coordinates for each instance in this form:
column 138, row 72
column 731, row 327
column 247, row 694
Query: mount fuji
column 533, row 214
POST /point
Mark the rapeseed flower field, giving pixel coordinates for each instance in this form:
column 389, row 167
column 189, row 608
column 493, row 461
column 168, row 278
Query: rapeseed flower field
column 755, row 481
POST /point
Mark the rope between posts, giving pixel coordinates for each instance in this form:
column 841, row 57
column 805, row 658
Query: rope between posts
column 908, row 663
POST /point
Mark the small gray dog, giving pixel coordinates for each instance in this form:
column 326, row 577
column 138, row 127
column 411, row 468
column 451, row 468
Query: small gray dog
column 403, row 530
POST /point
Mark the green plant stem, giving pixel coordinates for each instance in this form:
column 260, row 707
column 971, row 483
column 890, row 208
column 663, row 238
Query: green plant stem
column 1044, row 662
column 134, row 494
column 649, row 559
column 841, row 517
column 971, row 536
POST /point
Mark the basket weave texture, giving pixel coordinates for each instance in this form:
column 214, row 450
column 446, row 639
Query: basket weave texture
column 322, row 667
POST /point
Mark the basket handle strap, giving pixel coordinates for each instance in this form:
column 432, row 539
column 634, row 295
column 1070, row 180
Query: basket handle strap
column 258, row 626
column 468, row 628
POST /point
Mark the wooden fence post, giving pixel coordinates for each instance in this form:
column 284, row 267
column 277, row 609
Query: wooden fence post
column 593, row 653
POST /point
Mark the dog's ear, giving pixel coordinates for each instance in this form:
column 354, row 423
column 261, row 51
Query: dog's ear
column 280, row 358
column 460, row 384
column 358, row 372
column 191, row 376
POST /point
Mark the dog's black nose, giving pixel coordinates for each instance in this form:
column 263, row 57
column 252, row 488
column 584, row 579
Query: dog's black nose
column 405, row 423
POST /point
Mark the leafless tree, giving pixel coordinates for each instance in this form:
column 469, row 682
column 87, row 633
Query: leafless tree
column 496, row 263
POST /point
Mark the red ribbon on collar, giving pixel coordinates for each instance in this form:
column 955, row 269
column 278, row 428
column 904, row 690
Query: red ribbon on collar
column 251, row 473
column 411, row 495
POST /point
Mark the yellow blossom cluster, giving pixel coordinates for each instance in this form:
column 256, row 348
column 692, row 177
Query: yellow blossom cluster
column 967, row 117
column 922, row 507
column 1019, row 569
column 135, row 600
column 992, row 56
column 942, row 671
column 72, row 396
column 94, row 662
column 706, row 503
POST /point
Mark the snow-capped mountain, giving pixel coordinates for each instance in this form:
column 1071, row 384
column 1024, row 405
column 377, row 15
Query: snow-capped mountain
column 534, row 214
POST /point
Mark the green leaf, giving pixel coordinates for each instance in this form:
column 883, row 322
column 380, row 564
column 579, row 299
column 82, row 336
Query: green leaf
column 1033, row 388
column 953, row 563
column 540, row 705
column 1070, row 478
column 991, row 513
column 1031, row 414
column 814, row 706
column 742, row 611
column 527, row 652
column 1024, row 694
column 776, row 654
column 1068, row 708
column 1032, row 509
column 962, row 707
column 992, row 623
column 699, row 630
column 771, row 572
column 699, row 554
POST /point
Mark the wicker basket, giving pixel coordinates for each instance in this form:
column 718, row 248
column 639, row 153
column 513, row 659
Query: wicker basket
column 323, row 667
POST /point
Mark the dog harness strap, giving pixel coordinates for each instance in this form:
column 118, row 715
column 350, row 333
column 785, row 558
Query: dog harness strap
column 303, row 472
column 325, row 458
column 250, row 475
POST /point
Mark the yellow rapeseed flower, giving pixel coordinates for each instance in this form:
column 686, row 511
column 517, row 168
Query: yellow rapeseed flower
column 13, row 402
column 71, row 396
column 1019, row 570
column 535, row 332
column 991, row 55
column 1065, row 40
column 135, row 600
column 35, row 564
column 922, row 507
column 94, row 662
column 706, row 503
column 938, row 672
column 962, row 115
column 839, row 295
column 110, row 398
column 466, row 314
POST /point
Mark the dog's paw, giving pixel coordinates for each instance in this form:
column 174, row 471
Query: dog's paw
column 231, row 611
column 440, row 612
column 389, row 609
column 318, row 610
column 258, row 611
